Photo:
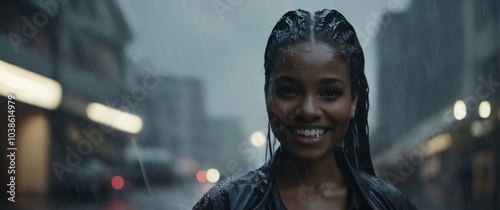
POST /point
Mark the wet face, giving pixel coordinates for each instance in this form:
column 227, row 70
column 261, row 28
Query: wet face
column 309, row 100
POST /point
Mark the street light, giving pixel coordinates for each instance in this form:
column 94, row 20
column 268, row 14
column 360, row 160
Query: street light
column 29, row 87
column 460, row 110
column 484, row 109
column 258, row 139
column 213, row 175
column 115, row 118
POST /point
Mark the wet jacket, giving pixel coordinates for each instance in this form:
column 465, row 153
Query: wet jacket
column 253, row 189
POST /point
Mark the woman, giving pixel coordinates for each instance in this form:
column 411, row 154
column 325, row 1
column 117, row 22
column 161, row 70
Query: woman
column 317, row 103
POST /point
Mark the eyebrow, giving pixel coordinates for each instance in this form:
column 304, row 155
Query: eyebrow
column 326, row 81
column 323, row 81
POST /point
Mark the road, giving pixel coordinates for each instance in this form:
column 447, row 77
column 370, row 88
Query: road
column 172, row 197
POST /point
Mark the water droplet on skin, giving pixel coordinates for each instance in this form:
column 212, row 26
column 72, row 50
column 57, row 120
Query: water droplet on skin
column 303, row 197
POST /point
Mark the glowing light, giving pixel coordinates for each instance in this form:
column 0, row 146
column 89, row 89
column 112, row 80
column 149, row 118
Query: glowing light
column 201, row 176
column 213, row 175
column 115, row 118
column 484, row 109
column 117, row 182
column 29, row 87
column 258, row 139
column 476, row 129
column 438, row 144
column 481, row 128
column 460, row 110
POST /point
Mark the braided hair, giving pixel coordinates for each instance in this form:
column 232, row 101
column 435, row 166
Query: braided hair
column 330, row 27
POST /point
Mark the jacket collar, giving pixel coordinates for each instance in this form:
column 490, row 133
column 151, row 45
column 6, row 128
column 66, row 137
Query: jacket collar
column 355, row 176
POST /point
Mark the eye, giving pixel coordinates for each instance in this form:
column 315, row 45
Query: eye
column 330, row 94
column 286, row 92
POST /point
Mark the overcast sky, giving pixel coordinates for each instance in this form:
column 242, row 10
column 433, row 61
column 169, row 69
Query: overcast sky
column 225, row 49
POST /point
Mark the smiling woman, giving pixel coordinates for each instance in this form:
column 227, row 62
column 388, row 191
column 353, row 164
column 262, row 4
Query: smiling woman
column 317, row 103
column 310, row 92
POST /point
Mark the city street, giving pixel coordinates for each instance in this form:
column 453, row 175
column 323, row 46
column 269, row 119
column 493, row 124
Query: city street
column 175, row 197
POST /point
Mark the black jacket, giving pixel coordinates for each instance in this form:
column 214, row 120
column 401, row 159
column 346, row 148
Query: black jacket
column 252, row 190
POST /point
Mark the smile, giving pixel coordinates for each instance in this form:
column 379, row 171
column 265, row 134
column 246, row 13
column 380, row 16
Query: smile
column 308, row 132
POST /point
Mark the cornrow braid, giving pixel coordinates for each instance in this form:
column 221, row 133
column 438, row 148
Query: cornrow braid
column 292, row 28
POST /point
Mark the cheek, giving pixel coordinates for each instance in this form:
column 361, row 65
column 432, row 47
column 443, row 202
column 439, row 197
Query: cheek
column 277, row 113
column 340, row 114
column 278, row 108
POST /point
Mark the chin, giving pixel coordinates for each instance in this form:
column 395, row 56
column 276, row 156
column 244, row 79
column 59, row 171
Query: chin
column 309, row 154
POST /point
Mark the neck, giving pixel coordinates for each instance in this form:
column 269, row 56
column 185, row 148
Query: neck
column 308, row 174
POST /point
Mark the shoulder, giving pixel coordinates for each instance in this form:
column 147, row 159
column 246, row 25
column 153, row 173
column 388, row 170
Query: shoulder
column 245, row 189
column 382, row 194
column 376, row 184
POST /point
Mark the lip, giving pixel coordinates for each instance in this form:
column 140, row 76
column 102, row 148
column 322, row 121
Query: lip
column 307, row 140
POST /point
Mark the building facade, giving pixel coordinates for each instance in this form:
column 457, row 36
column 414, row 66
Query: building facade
column 68, row 54
column 439, row 75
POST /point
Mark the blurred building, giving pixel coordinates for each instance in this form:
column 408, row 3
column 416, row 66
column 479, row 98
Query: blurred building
column 439, row 104
column 178, row 120
column 420, row 61
column 231, row 152
column 64, row 62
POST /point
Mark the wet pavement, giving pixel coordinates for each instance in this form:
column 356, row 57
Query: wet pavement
column 175, row 197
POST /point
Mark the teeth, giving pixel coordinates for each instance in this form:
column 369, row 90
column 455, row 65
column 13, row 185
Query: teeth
column 309, row 132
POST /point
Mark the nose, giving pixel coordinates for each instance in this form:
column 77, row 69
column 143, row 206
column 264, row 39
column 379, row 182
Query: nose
column 308, row 109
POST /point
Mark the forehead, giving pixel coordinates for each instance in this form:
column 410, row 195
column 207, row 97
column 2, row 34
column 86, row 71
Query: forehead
column 312, row 59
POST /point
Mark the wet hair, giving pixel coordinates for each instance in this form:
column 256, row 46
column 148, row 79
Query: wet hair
column 329, row 27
